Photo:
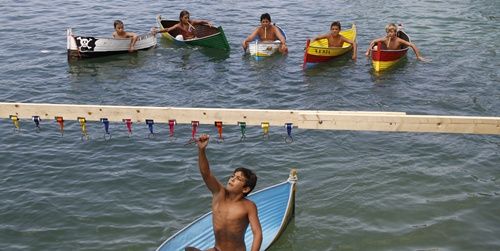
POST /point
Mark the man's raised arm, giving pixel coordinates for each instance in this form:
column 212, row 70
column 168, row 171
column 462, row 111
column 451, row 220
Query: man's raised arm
column 212, row 183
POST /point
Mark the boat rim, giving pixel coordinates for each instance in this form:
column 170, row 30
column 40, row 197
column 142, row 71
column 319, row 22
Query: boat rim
column 190, row 40
column 353, row 26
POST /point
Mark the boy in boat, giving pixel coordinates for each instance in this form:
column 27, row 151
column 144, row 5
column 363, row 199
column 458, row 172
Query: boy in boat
column 337, row 40
column 231, row 211
column 121, row 33
column 185, row 26
column 267, row 32
column 392, row 42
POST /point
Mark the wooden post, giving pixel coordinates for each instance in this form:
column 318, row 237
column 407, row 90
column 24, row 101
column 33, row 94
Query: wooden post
column 304, row 119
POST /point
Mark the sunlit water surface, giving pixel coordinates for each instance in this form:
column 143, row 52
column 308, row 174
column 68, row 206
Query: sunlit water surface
column 357, row 190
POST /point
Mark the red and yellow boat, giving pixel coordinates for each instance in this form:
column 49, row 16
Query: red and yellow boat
column 383, row 59
column 318, row 51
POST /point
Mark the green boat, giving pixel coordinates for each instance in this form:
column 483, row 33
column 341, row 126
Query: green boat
column 206, row 36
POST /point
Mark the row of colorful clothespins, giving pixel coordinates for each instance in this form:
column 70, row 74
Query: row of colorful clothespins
column 150, row 123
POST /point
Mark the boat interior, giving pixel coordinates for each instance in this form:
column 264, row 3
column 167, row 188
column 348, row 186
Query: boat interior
column 200, row 30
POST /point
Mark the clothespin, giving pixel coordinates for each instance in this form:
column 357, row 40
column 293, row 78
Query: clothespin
column 37, row 120
column 15, row 121
column 218, row 124
column 171, row 125
column 150, row 124
column 128, row 123
column 60, row 121
column 243, row 126
column 265, row 129
column 83, row 125
column 194, row 126
column 288, row 138
column 105, row 122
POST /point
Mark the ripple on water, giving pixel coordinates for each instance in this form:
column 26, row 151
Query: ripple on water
column 357, row 190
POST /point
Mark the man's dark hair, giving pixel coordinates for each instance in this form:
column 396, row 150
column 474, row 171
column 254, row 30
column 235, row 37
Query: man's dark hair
column 250, row 178
column 117, row 22
column 336, row 23
column 265, row 16
column 183, row 13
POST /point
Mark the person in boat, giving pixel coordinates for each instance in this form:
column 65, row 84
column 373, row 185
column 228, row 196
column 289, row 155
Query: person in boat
column 267, row 32
column 337, row 40
column 232, row 211
column 121, row 33
column 185, row 26
column 392, row 42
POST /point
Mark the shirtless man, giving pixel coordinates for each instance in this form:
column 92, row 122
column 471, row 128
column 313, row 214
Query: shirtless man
column 267, row 32
column 392, row 42
column 185, row 26
column 231, row 211
column 337, row 40
column 121, row 33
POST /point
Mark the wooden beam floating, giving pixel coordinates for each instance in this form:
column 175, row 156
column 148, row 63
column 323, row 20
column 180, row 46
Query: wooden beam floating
column 304, row 119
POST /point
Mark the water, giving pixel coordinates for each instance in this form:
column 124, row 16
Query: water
column 357, row 190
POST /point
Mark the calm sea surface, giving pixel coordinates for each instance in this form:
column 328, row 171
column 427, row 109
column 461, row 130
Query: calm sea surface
column 357, row 190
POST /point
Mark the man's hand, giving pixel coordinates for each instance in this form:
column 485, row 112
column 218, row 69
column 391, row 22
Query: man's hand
column 202, row 141
column 427, row 60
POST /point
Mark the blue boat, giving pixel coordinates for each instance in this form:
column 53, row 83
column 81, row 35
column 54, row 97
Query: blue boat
column 260, row 50
column 275, row 204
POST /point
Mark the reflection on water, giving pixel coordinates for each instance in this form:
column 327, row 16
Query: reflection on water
column 264, row 63
column 105, row 66
column 214, row 55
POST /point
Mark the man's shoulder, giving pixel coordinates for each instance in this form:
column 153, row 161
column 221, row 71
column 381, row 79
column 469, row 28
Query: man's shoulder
column 248, row 203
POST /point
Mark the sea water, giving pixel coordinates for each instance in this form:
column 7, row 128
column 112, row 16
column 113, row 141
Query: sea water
column 357, row 190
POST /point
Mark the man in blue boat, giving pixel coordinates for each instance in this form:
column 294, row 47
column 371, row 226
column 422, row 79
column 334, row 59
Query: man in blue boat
column 231, row 211
column 267, row 32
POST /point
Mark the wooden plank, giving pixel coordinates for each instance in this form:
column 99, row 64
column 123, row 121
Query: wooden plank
column 305, row 119
column 406, row 123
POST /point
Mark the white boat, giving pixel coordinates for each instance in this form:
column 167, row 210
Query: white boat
column 89, row 47
column 259, row 49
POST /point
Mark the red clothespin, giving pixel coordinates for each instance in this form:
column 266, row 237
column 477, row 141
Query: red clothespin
column 171, row 125
column 60, row 121
column 194, row 125
column 128, row 123
column 218, row 124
